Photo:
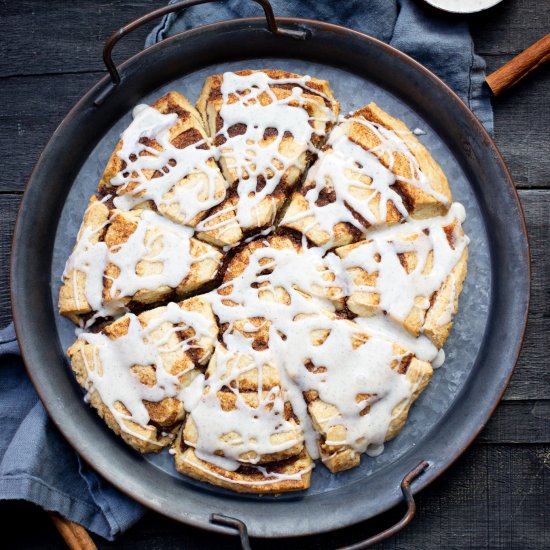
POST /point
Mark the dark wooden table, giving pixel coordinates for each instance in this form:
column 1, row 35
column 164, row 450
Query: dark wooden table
column 496, row 495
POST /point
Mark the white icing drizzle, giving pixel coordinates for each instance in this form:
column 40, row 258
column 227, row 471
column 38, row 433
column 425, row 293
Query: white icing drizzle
column 381, row 326
column 398, row 289
column 439, row 359
column 392, row 144
column 359, row 180
column 134, row 183
column 252, row 425
column 349, row 370
column 245, row 154
column 110, row 374
column 346, row 371
column 174, row 255
column 339, row 166
column 92, row 259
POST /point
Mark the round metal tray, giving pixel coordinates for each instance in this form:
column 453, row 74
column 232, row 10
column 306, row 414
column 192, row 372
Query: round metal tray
column 483, row 347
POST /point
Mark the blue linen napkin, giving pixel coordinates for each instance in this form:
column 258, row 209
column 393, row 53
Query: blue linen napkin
column 440, row 41
column 36, row 463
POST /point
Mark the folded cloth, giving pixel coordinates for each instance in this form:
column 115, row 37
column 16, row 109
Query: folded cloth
column 36, row 464
column 439, row 41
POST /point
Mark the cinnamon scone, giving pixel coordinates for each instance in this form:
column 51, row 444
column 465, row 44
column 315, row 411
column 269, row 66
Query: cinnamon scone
column 254, row 422
column 279, row 268
column 255, row 431
column 358, row 385
column 412, row 272
column 164, row 161
column 293, row 474
column 136, row 369
column 267, row 126
column 372, row 172
column 135, row 257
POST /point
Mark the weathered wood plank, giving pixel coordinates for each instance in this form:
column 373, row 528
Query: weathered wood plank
column 521, row 120
column 45, row 37
column 510, row 27
column 81, row 28
column 32, row 107
column 531, row 379
column 493, row 497
column 518, row 422
column 522, row 114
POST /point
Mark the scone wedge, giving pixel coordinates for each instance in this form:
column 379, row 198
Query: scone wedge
column 372, row 172
column 136, row 368
column 413, row 273
column 163, row 161
column 358, row 386
column 293, row 474
column 268, row 126
column 255, row 430
column 134, row 258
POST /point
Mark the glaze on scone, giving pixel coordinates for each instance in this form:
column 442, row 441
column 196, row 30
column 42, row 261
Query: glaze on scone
column 372, row 172
column 267, row 126
column 163, row 161
column 131, row 257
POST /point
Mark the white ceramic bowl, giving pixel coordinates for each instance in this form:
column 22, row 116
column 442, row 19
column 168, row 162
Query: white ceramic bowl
column 463, row 6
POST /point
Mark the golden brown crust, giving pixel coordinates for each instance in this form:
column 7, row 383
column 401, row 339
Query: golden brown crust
column 166, row 415
column 72, row 301
column 445, row 304
column 188, row 118
column 221, row 227
column 419, row 374
column 247, row 479
column 318, row 95
column 299, row 217
column 187, row 131
column 145, row 439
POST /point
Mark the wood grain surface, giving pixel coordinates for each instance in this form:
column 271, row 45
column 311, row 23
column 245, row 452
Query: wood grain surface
column 496, row 494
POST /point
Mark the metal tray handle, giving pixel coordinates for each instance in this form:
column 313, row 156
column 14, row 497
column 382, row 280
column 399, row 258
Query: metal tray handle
column 133, row 25
column 240, row 526
column 405, row 520
column 220, row 519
